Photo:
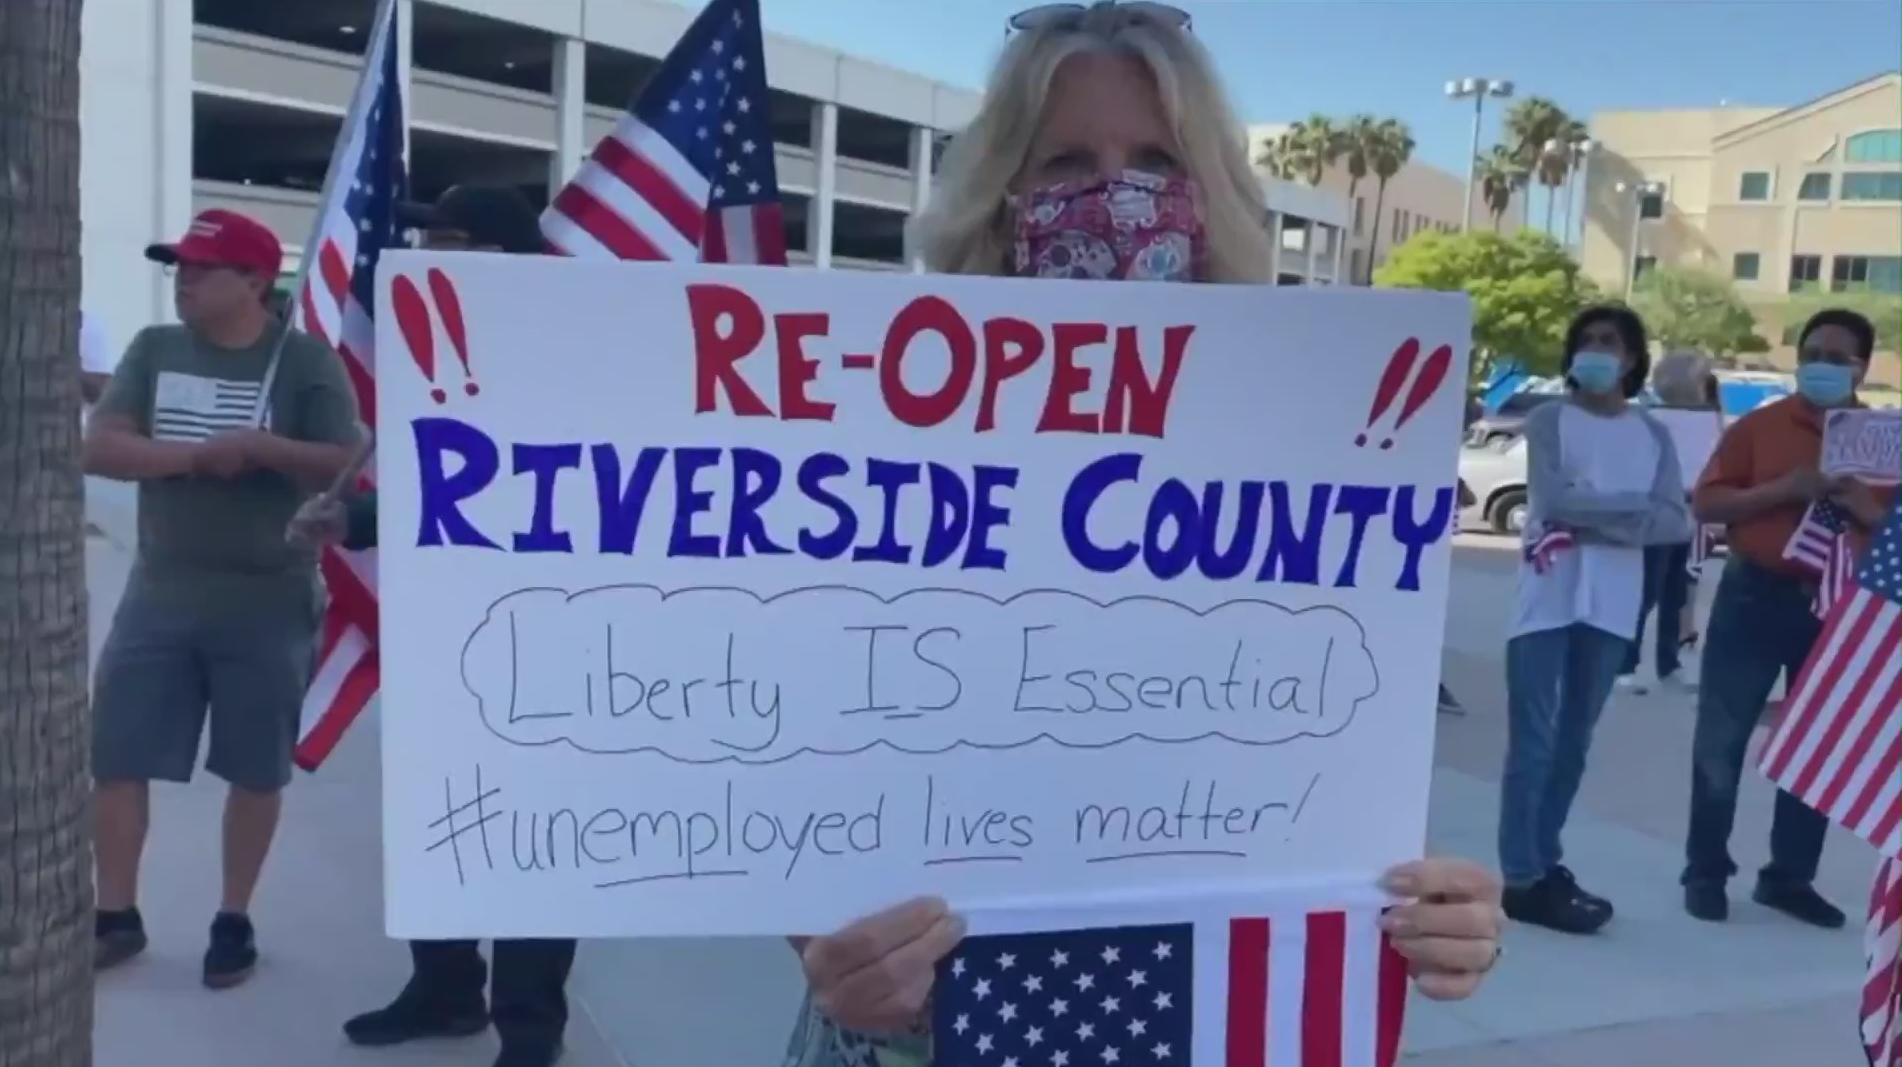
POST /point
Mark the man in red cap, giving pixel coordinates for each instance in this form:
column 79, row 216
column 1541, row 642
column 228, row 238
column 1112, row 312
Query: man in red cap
column 227, row 422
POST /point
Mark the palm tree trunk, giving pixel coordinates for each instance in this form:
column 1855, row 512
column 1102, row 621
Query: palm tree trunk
column 45, row 789
column 1373, row 233
column 1551, row 201
column 1353, row 186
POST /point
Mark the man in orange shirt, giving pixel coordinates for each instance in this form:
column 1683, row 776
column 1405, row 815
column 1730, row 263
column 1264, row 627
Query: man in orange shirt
column 1760, row 482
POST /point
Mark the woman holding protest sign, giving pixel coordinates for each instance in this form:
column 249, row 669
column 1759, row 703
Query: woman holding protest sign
column 1104, row 149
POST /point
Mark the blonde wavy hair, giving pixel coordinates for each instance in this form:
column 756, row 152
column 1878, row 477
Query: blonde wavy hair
column 967, row 228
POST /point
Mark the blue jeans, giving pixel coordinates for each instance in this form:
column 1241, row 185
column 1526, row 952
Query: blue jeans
column 1667, row 585
column 1557, row 682
column 1760, row 625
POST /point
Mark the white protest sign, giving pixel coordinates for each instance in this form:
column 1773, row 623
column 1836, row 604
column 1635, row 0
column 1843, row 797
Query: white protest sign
column 750, row 600
column 1864, row 444
column 1695, row 433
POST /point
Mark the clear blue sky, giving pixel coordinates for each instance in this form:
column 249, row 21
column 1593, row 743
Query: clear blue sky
column 1286, row 58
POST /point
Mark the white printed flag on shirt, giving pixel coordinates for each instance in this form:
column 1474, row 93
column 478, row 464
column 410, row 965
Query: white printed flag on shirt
column 1301, row 989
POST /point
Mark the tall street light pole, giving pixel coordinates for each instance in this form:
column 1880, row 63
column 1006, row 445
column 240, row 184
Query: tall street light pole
column 1478, row 89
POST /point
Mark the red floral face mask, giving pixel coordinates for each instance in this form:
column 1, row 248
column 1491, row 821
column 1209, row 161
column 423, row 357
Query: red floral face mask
column 1139, row 227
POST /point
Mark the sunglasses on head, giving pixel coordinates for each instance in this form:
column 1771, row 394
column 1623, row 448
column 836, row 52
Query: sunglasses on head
column 1062, row 15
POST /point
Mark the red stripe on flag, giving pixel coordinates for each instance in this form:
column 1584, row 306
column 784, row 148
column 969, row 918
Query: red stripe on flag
column 1247, row 993
column 1830, row 647
column 1392, row 1012
column 769, row 233
column 648, row 183
column 359, row 686
column 1323, row 989
column 1830, row 744
column 336, row 275
column 358, row 370
column 605, row 225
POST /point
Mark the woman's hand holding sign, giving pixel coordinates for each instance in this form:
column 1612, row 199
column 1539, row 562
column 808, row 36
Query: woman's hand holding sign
column 1450, row 933
column 875, row 975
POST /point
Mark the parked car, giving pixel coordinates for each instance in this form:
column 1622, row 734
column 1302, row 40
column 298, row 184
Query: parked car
column 1509, row 419
column 1492, row 483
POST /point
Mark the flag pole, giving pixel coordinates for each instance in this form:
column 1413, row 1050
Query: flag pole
column 382, row 38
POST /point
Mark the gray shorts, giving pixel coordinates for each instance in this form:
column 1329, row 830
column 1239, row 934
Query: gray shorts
column 244, row 650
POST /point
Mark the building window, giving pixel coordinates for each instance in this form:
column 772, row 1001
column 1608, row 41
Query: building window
column 1876, row 146
column 1815, row 187
column 1805, row 272
column 1873, row 185
column 1754, row 185
column 1744, row 266
column 1651, row 205
column 1399, row 226
column 1642, row 266
column 1880, row 274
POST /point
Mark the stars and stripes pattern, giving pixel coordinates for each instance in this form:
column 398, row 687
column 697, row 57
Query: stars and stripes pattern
column 1882, row 982
column 357, row 221
column 688, row 173
column 1541, row 551
column 1821, row 543
column 1838, row 746
column 1305, row 989
column 191, row 407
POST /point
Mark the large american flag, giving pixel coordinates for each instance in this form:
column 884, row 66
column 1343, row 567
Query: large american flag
column 356, row 222
column 1306, row 989
column 688, row 173
column 1882, row 982
column 1838, row 749
column 1838, row 745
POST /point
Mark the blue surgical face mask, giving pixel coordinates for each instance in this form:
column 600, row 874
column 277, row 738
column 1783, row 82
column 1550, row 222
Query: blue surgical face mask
column 1826, row 385
column 1597, row 372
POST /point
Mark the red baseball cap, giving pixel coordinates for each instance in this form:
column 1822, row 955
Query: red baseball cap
column 220, row 238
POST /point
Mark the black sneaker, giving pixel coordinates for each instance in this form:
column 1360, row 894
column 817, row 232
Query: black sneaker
column 415, row 1015
column 1800, row 902
column 524, row 1055
column 1557, row 903
column 1707, row 901
column 117, row 936
column 233, row 952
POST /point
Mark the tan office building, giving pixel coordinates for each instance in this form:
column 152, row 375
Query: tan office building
column 1779, row 199
column 1420, row 197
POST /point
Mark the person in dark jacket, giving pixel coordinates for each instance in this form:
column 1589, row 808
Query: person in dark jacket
column 444, row 997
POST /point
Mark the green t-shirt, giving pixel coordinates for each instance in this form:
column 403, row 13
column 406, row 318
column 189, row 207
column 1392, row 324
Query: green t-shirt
column 177, row 387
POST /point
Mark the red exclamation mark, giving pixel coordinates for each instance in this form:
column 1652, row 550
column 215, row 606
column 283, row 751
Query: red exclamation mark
column 1432, row 373
column 412, row 318
column 1390, row 381
column 450, row 305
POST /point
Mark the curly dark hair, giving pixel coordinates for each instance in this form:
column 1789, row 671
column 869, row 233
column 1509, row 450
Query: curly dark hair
column 1630, row 330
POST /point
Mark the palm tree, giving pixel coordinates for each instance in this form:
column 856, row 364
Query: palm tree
column 1500, row 176
column 1357, row 141
column 1389, row 149
column 45, row 846
column 1530, row 125
column 1308, row 149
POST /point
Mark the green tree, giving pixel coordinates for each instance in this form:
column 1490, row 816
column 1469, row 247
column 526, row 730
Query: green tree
column 1305, row 151
column 1389, row 146
column 1359, row 141
column 1525, row 290
column 1696, row 309
column 45, row 839
column 1883, row 310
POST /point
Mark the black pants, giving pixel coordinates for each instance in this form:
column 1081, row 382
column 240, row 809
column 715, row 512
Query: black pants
column 528, row 1000
column 1760, row 626
column 1667, row 586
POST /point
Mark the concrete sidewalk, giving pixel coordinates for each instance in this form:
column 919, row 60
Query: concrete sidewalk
column 1656, row 988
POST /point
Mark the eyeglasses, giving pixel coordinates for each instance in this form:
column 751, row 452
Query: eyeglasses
column 1061, row 15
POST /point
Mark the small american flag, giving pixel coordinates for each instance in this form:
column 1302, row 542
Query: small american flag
column 356, row 223
column 1810, row 545
column 1838, row 747
column 1543, row 550
column 688, row 173
column 1882, row 982
column 1318, row 989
